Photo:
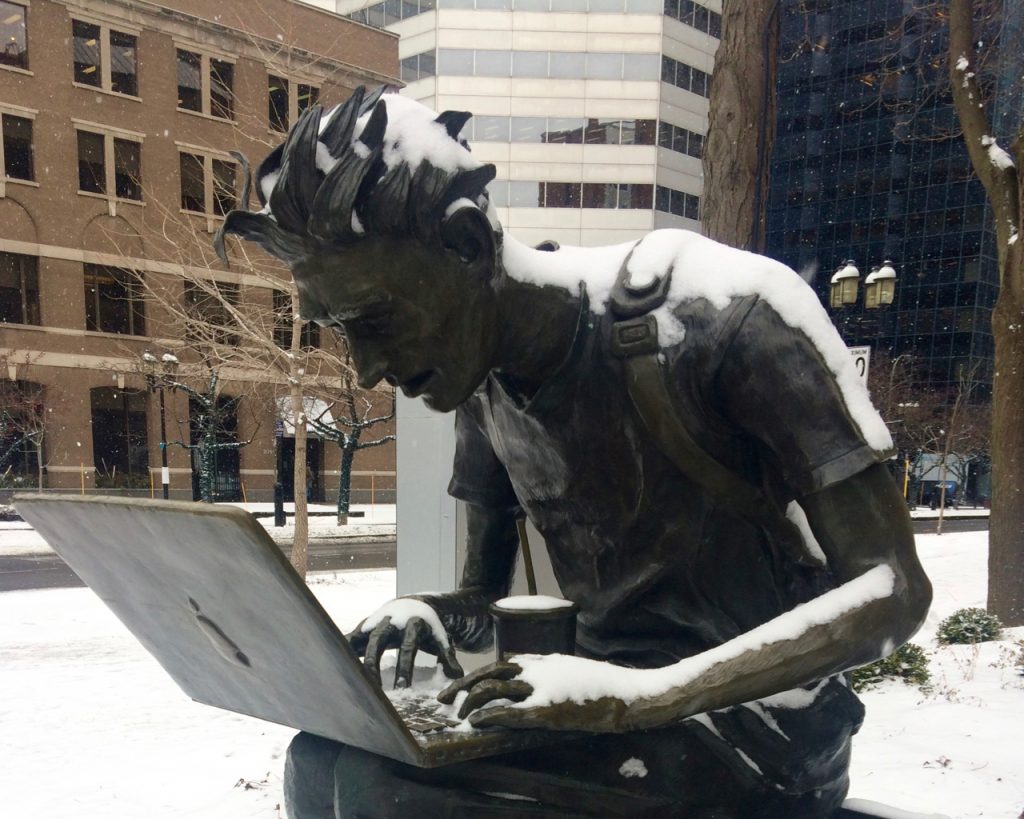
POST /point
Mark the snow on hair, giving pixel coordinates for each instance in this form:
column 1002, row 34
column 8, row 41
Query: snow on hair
column 338, row 178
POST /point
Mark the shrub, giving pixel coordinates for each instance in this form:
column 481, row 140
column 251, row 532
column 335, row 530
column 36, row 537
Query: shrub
column 907, row 663
column 969, row 626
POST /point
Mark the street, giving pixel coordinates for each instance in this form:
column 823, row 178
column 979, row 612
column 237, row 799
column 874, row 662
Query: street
column 926, row 526
column 49, row 571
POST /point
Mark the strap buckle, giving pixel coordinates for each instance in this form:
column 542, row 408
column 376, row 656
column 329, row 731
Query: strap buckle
column 635, row 336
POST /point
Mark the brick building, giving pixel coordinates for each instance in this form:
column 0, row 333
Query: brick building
column 118, row 118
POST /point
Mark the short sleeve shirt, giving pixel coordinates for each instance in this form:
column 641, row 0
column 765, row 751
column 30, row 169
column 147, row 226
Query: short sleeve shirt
column 662, row 569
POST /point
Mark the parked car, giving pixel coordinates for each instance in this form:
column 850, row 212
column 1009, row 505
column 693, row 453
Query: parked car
column 935, row 494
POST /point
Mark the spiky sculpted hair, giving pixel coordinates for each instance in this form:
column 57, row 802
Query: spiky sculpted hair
column 310, row 210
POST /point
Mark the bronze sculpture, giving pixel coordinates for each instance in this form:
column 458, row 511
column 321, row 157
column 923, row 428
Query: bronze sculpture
column 676, row 420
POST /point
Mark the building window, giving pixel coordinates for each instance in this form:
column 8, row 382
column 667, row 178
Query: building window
column 193, row 184
column 13, row 35
column 92, row 172
column 207, row 184
column 105, row 58
column 679, row 139
column 286, row 99
column 617, row 195
column 310, row 338
column 620, row 132
column 109, row 165
column 120, row 446
column 419, row 66
column 127, row 169
column 554, row 64
column 22, row 427
column 16, row 150
column 19, row 289
column 562, row 130
column 676, row 202
column 113, row 301
column 685, row 76
column 695, row 15
column 219, row 425
column 384, row 14
column 205, row 84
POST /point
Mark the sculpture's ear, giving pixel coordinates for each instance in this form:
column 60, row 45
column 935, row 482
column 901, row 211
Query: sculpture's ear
column 469, row 233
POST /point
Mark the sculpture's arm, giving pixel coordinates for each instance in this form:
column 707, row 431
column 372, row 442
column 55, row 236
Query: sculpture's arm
column 439, row 623
column 862, row 526
column 491, row 547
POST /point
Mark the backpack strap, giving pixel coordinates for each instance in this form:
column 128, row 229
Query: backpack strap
column 634, row 339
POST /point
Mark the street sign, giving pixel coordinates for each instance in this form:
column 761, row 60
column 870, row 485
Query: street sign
column 279, row 428
column 861, row 360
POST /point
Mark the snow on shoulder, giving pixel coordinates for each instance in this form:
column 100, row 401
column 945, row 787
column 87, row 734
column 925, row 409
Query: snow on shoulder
column 702, row 269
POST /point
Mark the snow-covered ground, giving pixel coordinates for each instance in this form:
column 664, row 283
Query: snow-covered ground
column 92, row 727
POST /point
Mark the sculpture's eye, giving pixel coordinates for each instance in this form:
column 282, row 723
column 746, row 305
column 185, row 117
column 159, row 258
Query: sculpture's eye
column 370, row 325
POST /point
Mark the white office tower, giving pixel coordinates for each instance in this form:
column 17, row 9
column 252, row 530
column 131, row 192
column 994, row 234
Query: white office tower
column 593, row 111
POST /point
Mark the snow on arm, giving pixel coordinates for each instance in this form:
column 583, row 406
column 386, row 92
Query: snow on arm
column 559, row 678
column 795, row 512
column 633, row 767
column 401, row 611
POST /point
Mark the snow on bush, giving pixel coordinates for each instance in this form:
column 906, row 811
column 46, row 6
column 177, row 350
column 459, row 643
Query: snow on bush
column 967, row 626
column 908, row 663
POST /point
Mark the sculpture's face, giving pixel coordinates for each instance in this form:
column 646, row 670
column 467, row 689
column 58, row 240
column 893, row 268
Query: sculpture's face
column 421, row 319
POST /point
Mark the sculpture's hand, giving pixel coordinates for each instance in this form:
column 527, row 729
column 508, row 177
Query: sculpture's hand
column 501, row 681
column 410, row 625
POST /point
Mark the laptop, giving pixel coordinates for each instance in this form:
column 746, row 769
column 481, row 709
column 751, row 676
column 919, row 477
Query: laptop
column 213, row 599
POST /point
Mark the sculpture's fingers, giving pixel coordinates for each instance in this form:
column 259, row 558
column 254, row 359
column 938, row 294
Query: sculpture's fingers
column 449, row 662
column 490, row 690
column 416, row 632
column 357, row 638
column 377, row 643
column 505, row 717
column 495, row 671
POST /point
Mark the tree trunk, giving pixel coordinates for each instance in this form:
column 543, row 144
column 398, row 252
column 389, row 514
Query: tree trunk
column 300, row 545
column 741, row 124
column 1002, row 181
column 39, row 463
column 348, row 454
column 1006, row 526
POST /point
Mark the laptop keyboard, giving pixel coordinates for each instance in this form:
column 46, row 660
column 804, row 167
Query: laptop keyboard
column 423, row 716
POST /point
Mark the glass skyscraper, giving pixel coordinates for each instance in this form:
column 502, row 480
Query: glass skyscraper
column 868, row 165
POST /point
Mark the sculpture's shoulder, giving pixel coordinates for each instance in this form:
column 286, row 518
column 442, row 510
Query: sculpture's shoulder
column 714, row 288
column 703, row 268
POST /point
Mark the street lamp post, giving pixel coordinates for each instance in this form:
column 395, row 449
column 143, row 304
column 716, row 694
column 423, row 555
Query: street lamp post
column 157, row 381
column 879, row 291
column 279, row 518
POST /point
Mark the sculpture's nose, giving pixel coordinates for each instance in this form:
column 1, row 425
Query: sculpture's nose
column 371, row 364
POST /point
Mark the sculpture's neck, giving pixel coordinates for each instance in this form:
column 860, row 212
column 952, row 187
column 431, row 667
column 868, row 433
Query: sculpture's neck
column 537, row 325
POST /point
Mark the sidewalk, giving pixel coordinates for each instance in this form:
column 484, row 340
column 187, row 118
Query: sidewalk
column 924, row 513
column 377, row 523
